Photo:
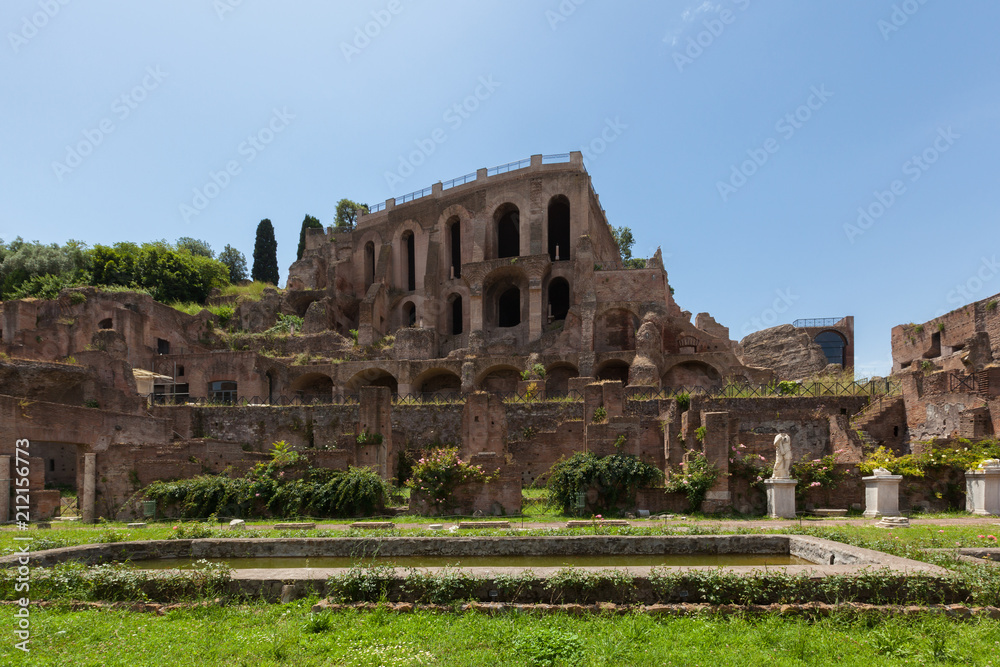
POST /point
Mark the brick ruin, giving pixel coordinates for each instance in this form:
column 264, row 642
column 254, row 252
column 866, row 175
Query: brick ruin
column 456, row 294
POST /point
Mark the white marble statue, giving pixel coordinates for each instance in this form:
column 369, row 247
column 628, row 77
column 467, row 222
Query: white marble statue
column 782, row 456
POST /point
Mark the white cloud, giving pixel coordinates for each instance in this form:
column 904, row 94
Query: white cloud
column 689, row 16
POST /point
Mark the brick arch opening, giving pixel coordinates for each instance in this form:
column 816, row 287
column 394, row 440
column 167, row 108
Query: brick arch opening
column 499, row 379
column 557, row 377
column 559, row 228
column 313, row 387
column 508, row 231
column 372, row 377
column 691, row 375
column 559, row 299
column 614, row 369
column 438, row 382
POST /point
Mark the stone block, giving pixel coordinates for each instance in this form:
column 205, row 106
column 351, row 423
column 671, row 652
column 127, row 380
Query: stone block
column 780, row 498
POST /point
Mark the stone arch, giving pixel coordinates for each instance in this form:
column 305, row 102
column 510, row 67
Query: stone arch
column 404, row 251
column 106, row 323
column 558, row 228
column 502, row 378
column 614, row 369
column 501, row 305
column 456, row 314
column 372, row 377
column 557, row 377
column 367, row 256
column 558, row 298
column 313, row 387
column 507, row 231
column 690, row 375
column 438, row 382
column 615, row 330
column 408, row 310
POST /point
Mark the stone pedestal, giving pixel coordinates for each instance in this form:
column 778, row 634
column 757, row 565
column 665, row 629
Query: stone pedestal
column 4, row 489
column 982, row 491
column 881, row 495
column 780, row 498
column 89, row 487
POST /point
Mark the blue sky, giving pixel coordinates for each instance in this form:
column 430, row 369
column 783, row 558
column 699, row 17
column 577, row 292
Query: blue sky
column 740, row 136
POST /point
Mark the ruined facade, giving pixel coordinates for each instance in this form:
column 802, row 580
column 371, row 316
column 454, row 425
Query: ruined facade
column 449, row 317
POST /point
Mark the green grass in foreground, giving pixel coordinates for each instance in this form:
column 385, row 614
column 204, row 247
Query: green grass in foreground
column 262, row 635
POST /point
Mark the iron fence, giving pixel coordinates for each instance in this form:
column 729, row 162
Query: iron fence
column 885, row 387
column 817, row 322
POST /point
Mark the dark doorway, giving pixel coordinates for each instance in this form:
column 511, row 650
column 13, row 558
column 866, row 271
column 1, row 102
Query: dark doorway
column 411, row 264
column 558, row 299
column 559, row 229
column 509, row 235
column 456, row 315
column 410, row 314
column 369, row 264
column 456, row 249
column 509, row 308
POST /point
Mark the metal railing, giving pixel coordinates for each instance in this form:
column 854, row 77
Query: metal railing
column 554, row 158
column 416, row 194
column 817, row 322
column 962, row 382
column 885, row 387
column 461, row 180
column 510, row 166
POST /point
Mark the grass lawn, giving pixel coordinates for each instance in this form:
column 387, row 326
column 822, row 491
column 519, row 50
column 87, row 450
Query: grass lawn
column 261, row 635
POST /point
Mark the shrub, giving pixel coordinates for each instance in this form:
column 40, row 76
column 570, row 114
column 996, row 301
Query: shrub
column 264, row 491
column 436, row 475
column 694, row 481
column 600, row 415
column 683, row 401
column 615, row 477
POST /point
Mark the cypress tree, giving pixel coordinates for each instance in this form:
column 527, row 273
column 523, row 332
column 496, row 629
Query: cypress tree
column 265, row 254
column 309, row 223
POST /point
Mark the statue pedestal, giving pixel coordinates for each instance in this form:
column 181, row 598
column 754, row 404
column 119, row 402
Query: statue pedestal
column 982, row 491
column 881, row 495
column 780, row 498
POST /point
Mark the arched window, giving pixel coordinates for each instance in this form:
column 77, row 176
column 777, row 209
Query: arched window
column 559, row 228
column 369, row 264
column 833, row 345
column 106, row 324
column 509, row 308
column 222, row 391
column 409, row 245
column 558, row 299
column 456, row 315
column 410, row 314
column 509, row 234
column 455, row 236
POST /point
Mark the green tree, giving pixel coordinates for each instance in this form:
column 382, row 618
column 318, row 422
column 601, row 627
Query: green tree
column 309, row 223
column 38, row 269
column 347, row 214
column 195, row 246
column 265, row 254
column 236, row 262
column 623, row 237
